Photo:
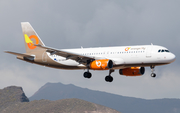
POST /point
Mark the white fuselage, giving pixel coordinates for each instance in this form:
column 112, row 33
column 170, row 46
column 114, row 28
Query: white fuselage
column 122, row 56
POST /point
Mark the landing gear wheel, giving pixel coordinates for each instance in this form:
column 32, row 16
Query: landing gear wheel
column 109, row 78
column 87, row 75
column 153, row 75
column 152, row 71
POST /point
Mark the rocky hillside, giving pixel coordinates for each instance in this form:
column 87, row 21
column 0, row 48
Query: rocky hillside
column 11, row 95
column 59, row 106
column 56, row 91
column 13, row 100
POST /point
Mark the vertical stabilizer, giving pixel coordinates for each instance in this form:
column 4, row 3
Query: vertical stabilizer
column 30, row 38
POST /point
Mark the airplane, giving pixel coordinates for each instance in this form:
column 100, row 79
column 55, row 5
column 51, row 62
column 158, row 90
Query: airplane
column 129, row 60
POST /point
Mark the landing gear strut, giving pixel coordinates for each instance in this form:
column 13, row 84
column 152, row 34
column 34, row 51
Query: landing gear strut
column 152, row 71
column 109, row 78
column 87, row 74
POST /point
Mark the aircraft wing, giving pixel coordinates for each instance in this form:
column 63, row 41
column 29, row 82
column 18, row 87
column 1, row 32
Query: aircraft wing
column 82, row 59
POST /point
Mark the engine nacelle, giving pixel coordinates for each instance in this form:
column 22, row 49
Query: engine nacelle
column 102, row 64
column 133, row 71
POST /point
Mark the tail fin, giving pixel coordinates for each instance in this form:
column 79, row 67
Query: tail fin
column 30, row 38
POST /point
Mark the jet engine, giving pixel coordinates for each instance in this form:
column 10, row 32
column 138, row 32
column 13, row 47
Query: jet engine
column 102, row 64
column 132, row 71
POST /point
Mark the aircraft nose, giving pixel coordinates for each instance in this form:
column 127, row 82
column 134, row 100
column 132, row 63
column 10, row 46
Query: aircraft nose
column 172, row 57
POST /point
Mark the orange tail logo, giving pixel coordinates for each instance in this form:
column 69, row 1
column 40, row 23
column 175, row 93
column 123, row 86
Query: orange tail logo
column 29, row 42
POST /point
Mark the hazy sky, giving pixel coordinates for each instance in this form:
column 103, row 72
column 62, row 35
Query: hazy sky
column 91, row 23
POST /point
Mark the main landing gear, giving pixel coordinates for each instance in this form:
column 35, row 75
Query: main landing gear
column 87, row 74
column 108, row 78
column 152, row 72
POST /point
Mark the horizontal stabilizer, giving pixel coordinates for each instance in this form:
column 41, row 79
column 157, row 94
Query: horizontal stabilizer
column 20, row 54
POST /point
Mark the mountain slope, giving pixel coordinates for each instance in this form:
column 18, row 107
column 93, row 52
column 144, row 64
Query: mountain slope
column 55, row 91
column 12, row 94
column 59, row 106
column 13, row 100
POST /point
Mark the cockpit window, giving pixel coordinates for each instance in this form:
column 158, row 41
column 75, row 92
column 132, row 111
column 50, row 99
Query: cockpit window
column 163, row 50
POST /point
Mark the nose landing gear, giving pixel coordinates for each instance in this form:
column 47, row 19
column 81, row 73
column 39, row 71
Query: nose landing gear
column 152, row 72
